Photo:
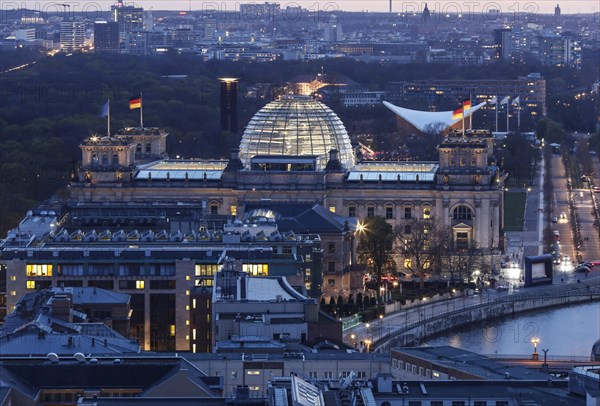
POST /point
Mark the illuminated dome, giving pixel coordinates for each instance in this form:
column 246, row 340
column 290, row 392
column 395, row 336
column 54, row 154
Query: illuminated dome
column 296, row 126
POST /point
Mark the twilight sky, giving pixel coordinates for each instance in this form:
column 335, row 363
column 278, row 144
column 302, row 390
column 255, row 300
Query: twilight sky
column 461, row 6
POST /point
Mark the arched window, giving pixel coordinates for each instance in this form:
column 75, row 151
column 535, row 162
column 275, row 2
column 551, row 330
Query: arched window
column 148, row 147
column 462, row 213
column 104, row 160
column 138, row 148
column 115, row 159
column 95, row 160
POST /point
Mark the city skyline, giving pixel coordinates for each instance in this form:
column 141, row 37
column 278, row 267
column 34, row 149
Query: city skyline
column 379, row 6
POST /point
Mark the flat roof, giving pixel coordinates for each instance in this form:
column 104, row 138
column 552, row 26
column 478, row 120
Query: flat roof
column 394, row 171
column 177, row 169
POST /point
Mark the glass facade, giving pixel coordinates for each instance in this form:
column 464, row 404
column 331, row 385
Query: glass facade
column 296, row 126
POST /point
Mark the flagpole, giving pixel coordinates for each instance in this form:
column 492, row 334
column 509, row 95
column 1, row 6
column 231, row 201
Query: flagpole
column 507, row 115
column 108, row 121
column 519, row 115
column 463, row 119
column 496, row 113
column 470, row 113
column 141, row 112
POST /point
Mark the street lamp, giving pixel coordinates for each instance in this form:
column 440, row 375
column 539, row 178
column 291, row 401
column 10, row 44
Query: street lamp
column 380, row 325
column 535, row 341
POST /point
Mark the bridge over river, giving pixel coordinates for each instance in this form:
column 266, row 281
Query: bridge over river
column 411, row 325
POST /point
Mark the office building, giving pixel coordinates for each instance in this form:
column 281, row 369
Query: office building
column 129, row 17
column 502, row 43
column 72, row 36
column 106, row 37
column 229, row 104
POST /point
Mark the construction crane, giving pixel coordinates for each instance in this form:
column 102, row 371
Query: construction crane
column 64, row 6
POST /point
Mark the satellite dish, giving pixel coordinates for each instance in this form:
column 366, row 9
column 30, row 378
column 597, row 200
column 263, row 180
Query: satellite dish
column 53, row 357
column 79, row 357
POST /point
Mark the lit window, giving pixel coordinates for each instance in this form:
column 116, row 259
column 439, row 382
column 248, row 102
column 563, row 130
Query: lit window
column 233, row 210
column 187, row 322
column 139, row 284
column 187, row 307
column 254, row 388
column 407, row 263
column 187, row 292
column 332, row 209
column 253, row 372
column 13, row 278
column 172, row 330
column 256, row 269
column 187, row 337
column 13, row 293
column 187, row 277
column 39, row 270
column 206, row 269
column 193, row 334
column 193, row 348
column 426, row 213
column 193, row 303
column 436, row 374
column 30, row 285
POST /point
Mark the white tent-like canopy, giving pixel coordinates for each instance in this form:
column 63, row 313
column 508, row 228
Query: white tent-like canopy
column 422, row 119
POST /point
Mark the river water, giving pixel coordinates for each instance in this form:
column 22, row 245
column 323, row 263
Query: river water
column 569, row 330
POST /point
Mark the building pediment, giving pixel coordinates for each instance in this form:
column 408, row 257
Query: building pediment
column 462, row 226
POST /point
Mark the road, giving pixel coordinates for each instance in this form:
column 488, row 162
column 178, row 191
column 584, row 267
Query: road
column 560, row 206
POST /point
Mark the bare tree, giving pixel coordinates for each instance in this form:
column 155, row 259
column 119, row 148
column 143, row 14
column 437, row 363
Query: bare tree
column 422, row 243
column 375, row 246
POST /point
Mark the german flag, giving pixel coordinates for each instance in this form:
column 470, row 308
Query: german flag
column 458, row 113
column 466, row 104
column 135, row 103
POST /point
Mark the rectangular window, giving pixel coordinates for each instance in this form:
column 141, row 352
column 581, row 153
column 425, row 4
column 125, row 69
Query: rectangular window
column 253, row 372
column 351, row 211
column 407, row 263
column 408, row 212
column 13, row 278
column 426, row 213
column 312, row 374
column 414, row 403
column 214, row 209
column 480, row 403
column 332, row 209
column 370, row 211
column 139, row 284
column 193, row 303
column 328, row 375
column 172, row 330
column 233, row 210
column 436, row 374
column 331, row 266
column 256, row 269
column 436, row 403
column 30, row 285
column 194, row 348
column 331, row 282
column 206, row 269
column 331, row 247
column 458, row 403
column 39, row 270
column 389, row 212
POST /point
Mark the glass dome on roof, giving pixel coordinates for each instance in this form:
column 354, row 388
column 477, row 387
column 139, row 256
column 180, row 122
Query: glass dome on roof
column 296, row 126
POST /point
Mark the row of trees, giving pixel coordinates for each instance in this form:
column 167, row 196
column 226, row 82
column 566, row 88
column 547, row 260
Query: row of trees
column 424, row 245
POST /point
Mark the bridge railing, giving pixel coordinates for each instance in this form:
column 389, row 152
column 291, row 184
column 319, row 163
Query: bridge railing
column 521, row 357
column 593, row 292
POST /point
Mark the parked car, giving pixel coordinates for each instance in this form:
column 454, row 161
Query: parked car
column 555, row 219
column 582, row 269
column 563, row 215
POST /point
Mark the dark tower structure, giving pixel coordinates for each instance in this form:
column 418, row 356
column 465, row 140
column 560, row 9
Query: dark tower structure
column 229, row 117
column 106, row 36
column 426, row 13
column 557, row 11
